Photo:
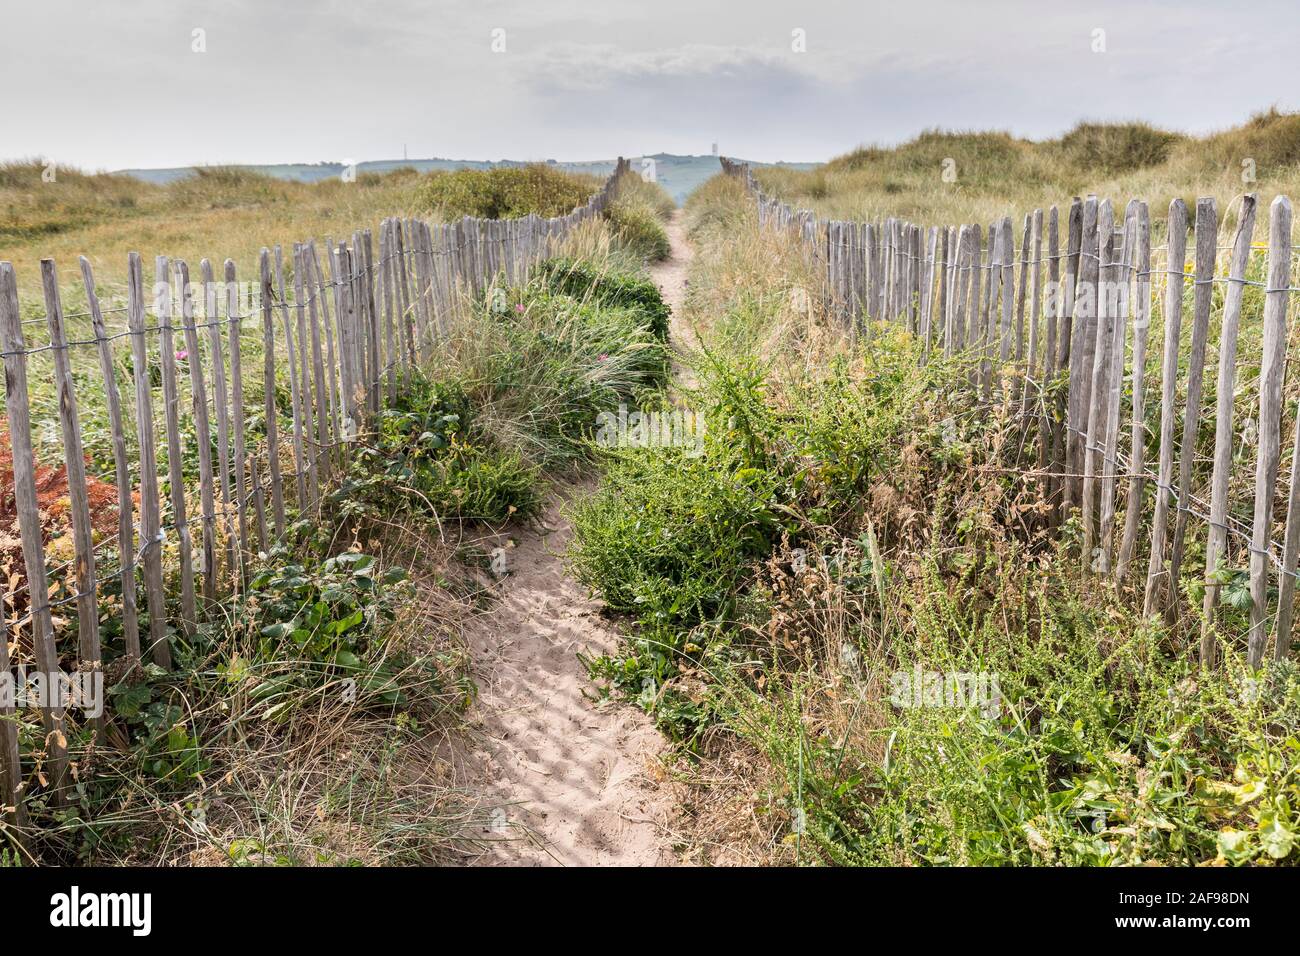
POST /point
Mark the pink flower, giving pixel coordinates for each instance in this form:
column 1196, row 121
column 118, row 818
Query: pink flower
column 182, row 355
column 603, row 356
column 519, row 307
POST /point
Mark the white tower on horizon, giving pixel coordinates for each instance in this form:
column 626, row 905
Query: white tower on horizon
column 715, row 149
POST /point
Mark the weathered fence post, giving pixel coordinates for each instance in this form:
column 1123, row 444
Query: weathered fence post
column 1277, row 296
column 172, row 421
column 1097, row 372
column 1176, row 240
column 309, row 413
column 221, row 403
column 1137, row 452
column 151, row 536
column 234, row 320
column 29, row 525
column 295, row 394
column 122, row 470
column 203, row 437
column 1082, row 347
column 268, row 388
column 1206, row 250
column 1118, row 296
column 74, row 465
column 1217, row 541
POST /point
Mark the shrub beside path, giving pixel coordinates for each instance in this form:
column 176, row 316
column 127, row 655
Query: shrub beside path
column 577, row 781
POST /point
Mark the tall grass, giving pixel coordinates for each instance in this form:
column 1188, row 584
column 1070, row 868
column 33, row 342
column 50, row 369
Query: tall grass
column 542, row 370
column 851, row 519
column 638, row 213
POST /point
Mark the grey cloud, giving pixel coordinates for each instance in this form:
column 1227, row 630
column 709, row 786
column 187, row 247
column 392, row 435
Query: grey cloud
column 573, row 67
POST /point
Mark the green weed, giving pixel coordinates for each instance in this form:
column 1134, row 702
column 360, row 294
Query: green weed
column 505, row 192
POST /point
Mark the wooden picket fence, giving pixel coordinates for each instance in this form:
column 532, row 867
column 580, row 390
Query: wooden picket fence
column 341, row 339
column 1073, row 353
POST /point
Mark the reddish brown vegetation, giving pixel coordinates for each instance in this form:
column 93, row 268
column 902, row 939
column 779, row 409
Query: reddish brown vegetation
column 56, row 519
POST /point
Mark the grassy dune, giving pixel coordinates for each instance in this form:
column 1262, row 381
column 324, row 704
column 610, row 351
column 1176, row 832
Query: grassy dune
column 227, row 212
column 220, row 213
column 998, row 174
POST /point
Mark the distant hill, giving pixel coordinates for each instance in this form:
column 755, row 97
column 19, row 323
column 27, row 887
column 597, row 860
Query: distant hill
column 677, row 174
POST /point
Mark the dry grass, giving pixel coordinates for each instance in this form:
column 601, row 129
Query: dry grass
column 808, row 688
column 329, row 780
column 751, row 289
column 221, row 213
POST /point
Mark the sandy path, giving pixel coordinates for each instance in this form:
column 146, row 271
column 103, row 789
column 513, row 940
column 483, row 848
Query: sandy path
column 671, row 278
column 576, row 782
column 670, row 275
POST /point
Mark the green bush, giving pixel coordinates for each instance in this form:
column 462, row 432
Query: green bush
column 429, row 457
column 540, row 366
column 477, row 483
column 668, row 537
column 427, row 416
column 644, row 192
column 638, row 227
column 1117, row 147
column 533, row 369
column 506, row 192
column 329, row 611
column 672, row 538
column 580, row 279
column 619, row 338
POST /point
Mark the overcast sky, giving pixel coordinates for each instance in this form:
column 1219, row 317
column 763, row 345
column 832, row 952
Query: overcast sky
column 104, row 84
